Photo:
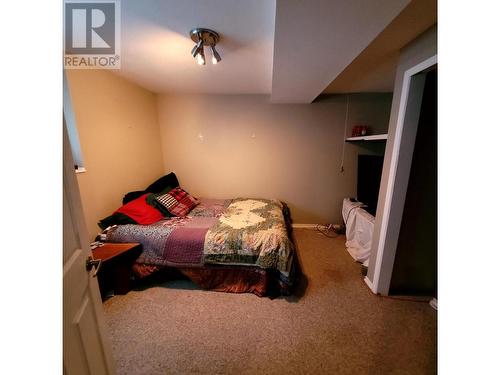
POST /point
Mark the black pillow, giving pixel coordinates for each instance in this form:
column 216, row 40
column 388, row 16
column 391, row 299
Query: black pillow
column 132, row 195
column 170, row 180
column 117, row 218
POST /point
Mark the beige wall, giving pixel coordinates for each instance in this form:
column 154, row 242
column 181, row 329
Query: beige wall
column 242, row 145
column 248, row 146
column 120, row 140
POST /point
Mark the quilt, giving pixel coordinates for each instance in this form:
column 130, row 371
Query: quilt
column 250, row 232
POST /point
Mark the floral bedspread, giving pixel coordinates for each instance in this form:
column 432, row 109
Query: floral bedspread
column 250, row 232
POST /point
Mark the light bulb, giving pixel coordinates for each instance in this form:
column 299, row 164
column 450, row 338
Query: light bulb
column 215, row 56
column 199, row 59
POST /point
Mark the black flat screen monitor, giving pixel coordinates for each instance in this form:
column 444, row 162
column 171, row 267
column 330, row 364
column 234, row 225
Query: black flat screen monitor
column 369, row 174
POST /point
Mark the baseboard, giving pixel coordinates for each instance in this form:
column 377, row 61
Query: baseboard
column 370, row 284
column 305, row 226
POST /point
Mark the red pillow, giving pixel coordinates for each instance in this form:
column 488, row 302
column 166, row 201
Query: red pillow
column 140, row 211
column 177, row 201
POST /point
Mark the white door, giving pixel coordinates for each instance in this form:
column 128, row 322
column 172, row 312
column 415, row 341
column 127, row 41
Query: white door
column 85, row 346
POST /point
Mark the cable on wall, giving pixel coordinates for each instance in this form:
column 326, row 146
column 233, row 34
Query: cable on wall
column 345, row 134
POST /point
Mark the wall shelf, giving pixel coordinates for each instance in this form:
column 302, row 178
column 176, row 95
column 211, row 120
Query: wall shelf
column 376, row 137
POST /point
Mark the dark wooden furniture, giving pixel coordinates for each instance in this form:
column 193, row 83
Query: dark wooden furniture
column 116, row 268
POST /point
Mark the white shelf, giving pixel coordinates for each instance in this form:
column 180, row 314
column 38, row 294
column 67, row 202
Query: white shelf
column 376, row 137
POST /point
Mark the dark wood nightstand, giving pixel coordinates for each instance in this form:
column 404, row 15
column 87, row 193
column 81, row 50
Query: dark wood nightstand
column 116, row 268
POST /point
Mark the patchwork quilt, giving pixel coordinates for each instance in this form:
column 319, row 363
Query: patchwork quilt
column 250, row 232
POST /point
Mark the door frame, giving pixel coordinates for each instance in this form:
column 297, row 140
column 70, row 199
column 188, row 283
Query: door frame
column 391, row 212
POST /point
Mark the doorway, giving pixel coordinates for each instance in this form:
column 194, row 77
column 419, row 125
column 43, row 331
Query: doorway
column 415, row 264
column 396, row 174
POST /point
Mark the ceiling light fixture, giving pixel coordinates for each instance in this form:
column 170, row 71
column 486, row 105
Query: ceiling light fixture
column 202, row 38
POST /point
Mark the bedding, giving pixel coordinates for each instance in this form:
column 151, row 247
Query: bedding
column 216, row 240
column 151, row 200
column 162, row 185
column 168, row 181
column 139, row 211
column 115, row 219
column 177, row 201
column 132, row 195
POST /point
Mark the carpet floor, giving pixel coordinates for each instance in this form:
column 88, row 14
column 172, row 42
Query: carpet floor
column 334, row 326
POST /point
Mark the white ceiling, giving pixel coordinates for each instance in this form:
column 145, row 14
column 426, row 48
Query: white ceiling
column 291, row 49
column 316, row 40
column 156, row 45
column 374, row 69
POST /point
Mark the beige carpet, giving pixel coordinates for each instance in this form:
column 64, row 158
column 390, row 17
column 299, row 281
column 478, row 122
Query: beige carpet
column 337, row 327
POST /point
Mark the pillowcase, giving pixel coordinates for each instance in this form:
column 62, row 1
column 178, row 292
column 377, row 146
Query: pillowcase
column 115, row 219
column 170, row 180
column 151, row 200
column 140, row 211
column 177, row 201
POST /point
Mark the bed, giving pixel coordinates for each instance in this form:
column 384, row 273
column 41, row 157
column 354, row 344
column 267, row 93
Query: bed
column 232, row 245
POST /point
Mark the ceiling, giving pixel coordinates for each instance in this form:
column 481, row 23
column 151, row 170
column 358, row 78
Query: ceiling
column 156, row 46
column 316, row 40
column 291, row 49
column 374, row 69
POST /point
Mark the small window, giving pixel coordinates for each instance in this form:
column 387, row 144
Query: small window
column 69, row 119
